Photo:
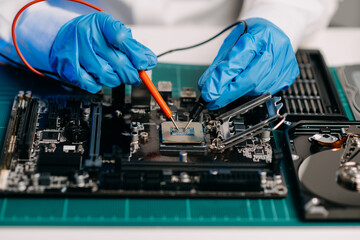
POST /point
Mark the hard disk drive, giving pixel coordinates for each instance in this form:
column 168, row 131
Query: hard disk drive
column 326, row 162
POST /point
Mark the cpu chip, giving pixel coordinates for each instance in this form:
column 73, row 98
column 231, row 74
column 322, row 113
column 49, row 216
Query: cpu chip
column 193, row 134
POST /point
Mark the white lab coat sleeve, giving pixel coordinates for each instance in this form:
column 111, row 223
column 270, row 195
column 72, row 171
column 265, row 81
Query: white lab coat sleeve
column 35, row 32
column 298, row 19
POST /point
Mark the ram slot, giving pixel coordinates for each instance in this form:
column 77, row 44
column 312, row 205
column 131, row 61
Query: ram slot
column 94, row 151
column 27, row 132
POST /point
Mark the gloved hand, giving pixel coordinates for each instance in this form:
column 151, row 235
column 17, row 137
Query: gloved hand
column 95, row 49
column 261, row 61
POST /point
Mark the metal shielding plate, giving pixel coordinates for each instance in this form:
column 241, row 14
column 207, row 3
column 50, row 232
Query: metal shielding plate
column 193, row 134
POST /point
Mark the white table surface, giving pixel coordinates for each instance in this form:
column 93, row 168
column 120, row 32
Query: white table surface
column 340, row 46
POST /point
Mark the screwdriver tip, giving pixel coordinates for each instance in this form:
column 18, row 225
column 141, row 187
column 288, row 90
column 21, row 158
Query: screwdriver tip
column 187, row 125
column 173, row 121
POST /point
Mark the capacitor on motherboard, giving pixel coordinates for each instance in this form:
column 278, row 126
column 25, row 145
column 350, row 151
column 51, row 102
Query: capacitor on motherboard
column 134, row 136
column 86, row 112
column 134, row 127
column 183, row 157
column 144, row 137
column 185, row 177
column 265, row 136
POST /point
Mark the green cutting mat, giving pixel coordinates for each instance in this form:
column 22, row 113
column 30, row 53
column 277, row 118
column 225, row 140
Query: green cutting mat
column 139, row 212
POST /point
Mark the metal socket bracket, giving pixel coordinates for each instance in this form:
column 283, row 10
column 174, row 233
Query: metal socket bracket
column 272, row 115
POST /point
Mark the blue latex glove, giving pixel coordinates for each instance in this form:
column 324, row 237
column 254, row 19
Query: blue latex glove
column 95, row 49
column 262, row 61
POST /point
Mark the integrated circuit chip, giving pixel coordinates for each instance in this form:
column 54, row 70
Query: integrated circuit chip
column 193, row 134
column 50, row 135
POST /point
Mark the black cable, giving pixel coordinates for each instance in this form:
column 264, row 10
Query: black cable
column 245, row 31
column 208, row 40
column 25, row 68
column 200, row 104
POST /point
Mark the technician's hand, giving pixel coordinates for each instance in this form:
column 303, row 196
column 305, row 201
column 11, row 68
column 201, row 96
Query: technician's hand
column 95, row 49
column 262, row 61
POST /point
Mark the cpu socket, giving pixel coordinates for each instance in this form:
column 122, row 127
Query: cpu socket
column 193, row 134
column 192, row 139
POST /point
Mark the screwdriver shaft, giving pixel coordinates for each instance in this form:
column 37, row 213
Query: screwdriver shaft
column 158, row 98
column 188, row 124
column 173, row 121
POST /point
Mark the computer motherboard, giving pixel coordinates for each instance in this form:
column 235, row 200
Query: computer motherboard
column 90, row 146
column 120, row 144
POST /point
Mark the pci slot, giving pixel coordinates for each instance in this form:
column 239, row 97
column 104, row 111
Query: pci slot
column 11, row 133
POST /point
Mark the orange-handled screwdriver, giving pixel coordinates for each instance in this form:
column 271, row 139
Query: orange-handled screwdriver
column 158, row 98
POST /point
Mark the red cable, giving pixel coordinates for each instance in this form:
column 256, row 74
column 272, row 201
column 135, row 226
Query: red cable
column 144, row 77
column 14, row 25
